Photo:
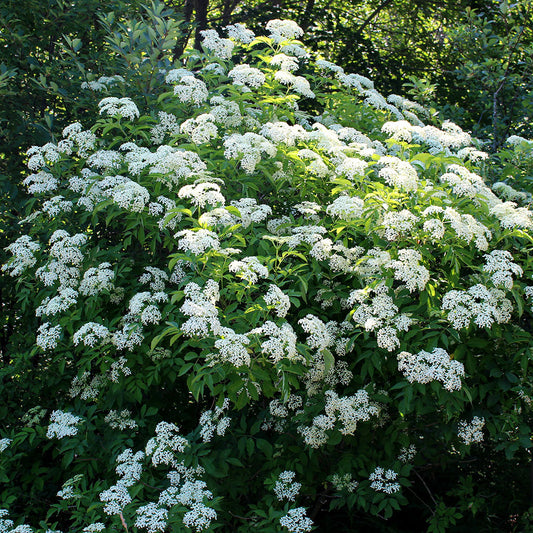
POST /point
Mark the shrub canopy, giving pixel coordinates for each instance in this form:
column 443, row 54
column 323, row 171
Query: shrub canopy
column 275, row 297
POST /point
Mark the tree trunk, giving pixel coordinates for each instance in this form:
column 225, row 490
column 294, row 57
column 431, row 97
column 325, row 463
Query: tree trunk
column 201, row 20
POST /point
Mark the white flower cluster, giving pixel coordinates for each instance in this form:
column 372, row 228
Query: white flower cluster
column 247, row 149
column 449, row 136
column 203, row 193
column 515, row 140
column 316, row 164
column 197, row 242
column 221, row 48
column 346, row 208
column 156, row 277
column 285, row 62
column 321, row 335
column 435, row 228
column 407, row 268
column 276, row 298
column 57, row 205
column 48, row 336
column 281, row 132
column 500, row 264
column 164, row 447
column 67, row 249
column 212, row 421
column 398, row 224
column 286, row 488
column 86, row 140
column 199, row 517
column 509, row 193
column 40, row 156
column 373, row 98
column 152, row 518
column 91, row 334
column 511, row 216
column 116, row 498
column 200, row 306
column 163, row 209
column 322, row 64
column 95, row 527
column 4, row 444
column 128, row 338
column 102, row 83
column 244, row 75
column 201, row 129
column 167, row 125
column 305, row 234
column 309, row 210
column 472, row 154
column 249, row 269
column 123, row 107
column 462, row 181
column 6, row 525
column 240, row 33
column 342, row 413
column 191, row 90
column 349, row 410
column 470, row 432
column 399, row 130
column 404, row 104
column 279, row 411
column 231, row 346
column 41, row 182
column 407, row 454
column 186, row 490
column 296, row 521
column 130, row 196
column 105, row 159
column 380, row 314
column 85, row 387
column 174, row 75
column 281, row 341
column 97, row 279
column 398, row 173
column 219, row 216
column 283, row 30
column 226, row 112
column 23, row 250
column 466, row 227
column 120, row 420
column 129, row 467
column 351, row 168
column 481, row 304
column 143, row 306
column 117, row 368
column 426, row 367
column 62, row 424
column 344, row 482
column 65, row 298
column 250, row 211
column 384, row 480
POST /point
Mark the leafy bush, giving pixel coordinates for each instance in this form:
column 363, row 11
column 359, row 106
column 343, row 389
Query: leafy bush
column 274, row 299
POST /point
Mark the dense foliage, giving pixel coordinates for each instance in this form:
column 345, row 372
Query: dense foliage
column 255, row 294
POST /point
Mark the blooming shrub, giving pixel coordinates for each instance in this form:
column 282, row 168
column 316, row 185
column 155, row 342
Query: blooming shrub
column 264, row 295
